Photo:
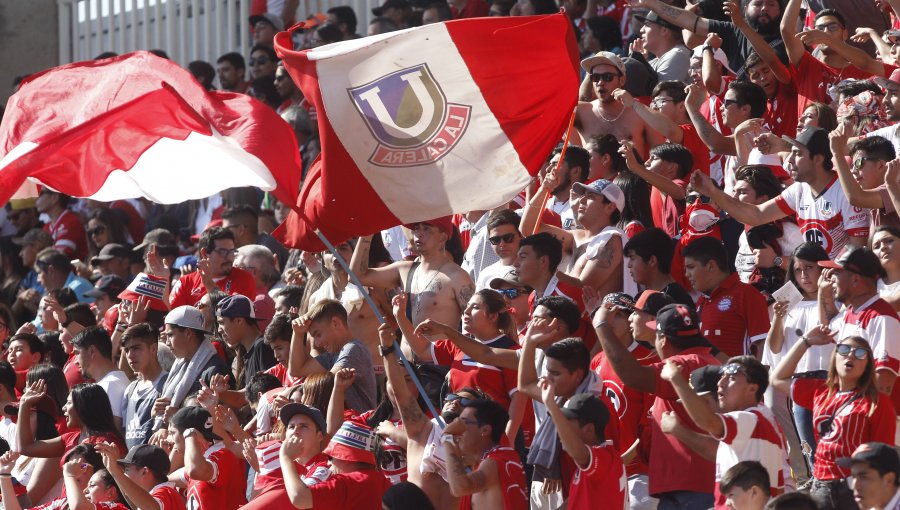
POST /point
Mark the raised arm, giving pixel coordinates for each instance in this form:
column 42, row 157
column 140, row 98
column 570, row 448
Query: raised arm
column 680, row 17
column 297, row 491
column 865, row 34
column 138, row 496
column 710, row 72
column 7, row 490
column 386, row 277
column 655, row 120
column 892, row 181
column 195, row 464
column 856, row 56
column 859, row 197
column 414, row 337
column 632, row 373
column 792, row 44
column 28, row 445
column 343, row 379
column 733, row 9
column 660, row 182
column 568, row 436
column 747, row 214
column 531, row 213
column 414, row 420
column 780, row 378
column 716, row 141
column 462, row 483
column 75, row 495
column 527, row 376
column 496, row 356
column 300, row 363
column 701, row 444
column 696, row 408
column 776, row 330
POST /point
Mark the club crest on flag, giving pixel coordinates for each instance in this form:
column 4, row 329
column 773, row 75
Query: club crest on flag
column 409, row 116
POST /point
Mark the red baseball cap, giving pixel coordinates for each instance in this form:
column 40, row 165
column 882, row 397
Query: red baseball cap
column 444, row 224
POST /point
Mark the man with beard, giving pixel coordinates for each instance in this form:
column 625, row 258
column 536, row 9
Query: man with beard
column 606, row 115
column 891, row 105
column 762, row 15
column 574, row 168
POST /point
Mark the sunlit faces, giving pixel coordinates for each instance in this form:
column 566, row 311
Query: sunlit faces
column 801, row 164
column 507, row 237
column 476, row 320
column 807, row 273
column 304, row 428
column 221, row 257
column 847, row 364
column 870, row 488
column 809, row 118
column 883, row 243
column 762, row 75
column 530, row 266
column 703, row 277
column 867, row 170
column 604, row 87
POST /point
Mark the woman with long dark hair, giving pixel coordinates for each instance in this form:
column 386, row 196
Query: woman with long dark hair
column 848, row 410
column 636, row 213
column 883, row 242
column 87, row 410
column 106, row 226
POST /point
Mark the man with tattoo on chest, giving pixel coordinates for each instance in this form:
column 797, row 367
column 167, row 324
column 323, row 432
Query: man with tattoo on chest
column 606, row 115
column 439, row 289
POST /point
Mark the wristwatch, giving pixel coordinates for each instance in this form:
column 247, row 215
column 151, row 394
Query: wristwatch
column 386, row 350
column 187, row 433
column 708, row 47
column 778, row 261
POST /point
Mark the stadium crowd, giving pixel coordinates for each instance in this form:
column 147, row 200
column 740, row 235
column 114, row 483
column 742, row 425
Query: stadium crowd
column 694, row 305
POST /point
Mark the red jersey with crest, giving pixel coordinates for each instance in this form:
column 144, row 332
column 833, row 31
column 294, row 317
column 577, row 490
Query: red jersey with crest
column 632, row 406
column 189, row 289
column 511, row 479
column 498, row 383
column 602, row 480
column 826, row 218
column 69, row 235
column 856, row 423
column 226, row 490
column 733, row 316
column 166, row 494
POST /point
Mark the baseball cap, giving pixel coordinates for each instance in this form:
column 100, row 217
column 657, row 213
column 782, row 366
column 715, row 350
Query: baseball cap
column 880, row 456
column 109, row 252
column 294, row 408
column 589, row 408
column 186, row 316
column 652, row 301
column 894, row 79
column 619, row 299
column 148, row 286
column 706, row 379
column 110, row 285
column 160, row 237
column 269, row 18
column 34, row 236
column 652, row 17
column 195, row 417
column 353, row 442
column 610, row 190
column 510, row 277
column 814, row 140
column 603, row 57
column 861, row 261
column 891, row 35
column 390, row 4
column 444, row 224
column 236, row 305
column 151, row 457
column 677, row 320
column 718, row 55
column 18, row 204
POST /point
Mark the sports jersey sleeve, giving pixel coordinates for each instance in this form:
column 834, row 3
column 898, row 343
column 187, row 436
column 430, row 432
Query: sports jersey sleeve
column 883, row 422
column 757, row 316
column 856, row 220
column 787, row 200
column 317, row 475
column 443, row 352
column 883, row 332
column 218, row 461
column 180, row 292
column 738, row 426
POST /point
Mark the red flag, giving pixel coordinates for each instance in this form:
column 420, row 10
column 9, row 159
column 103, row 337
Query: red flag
column 425, row 122
column 141, row 126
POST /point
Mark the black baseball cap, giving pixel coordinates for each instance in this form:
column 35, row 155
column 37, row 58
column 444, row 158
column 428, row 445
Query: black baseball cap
column 151, row 457
column 111, row 285
column 706, row 379
column 294, row 408
column 195, row 417
column 587, row 407
column 814, row 140
column 109, row 252
column 619, row 299
column 861, row 261
column 652, row 301
column 162, row 238
column 677, row 321
column 880, row 456
column 652, row 17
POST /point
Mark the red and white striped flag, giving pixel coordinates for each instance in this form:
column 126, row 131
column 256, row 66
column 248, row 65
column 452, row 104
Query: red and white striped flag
column 429, row 121
column 141, row 126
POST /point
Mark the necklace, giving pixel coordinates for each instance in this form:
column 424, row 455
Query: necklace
column 600, row 113
column 420, row 289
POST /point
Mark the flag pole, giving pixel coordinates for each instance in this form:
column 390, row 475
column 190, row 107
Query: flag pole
column 562, row 154
column 371, row 302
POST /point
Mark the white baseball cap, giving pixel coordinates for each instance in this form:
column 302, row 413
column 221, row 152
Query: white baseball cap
column 186, row 317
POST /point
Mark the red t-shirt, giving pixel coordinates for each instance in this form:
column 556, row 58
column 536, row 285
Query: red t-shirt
column 603, row 480
column 734, row 316
column 281, row 372
column 666, row 211
column 69, row 235
column 359, row 490
column 73, row 373
column 813, row 79
column 71, row 440
column 851, row 427
column 168, row 497
column 497, row 383
column 632, row 406
column 672, row 465
column 62, row 503
column 691, row 140
column 511, row 479
column 271, row 478
column 227, row 490
column 781, row 113
column 189, row 289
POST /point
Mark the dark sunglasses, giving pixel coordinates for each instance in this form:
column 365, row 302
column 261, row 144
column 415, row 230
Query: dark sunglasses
column 860, row 161
column 607, row 77
column 693, row 198
column 506, row 238
column 858, row 352
column 96, row 231
column 728, row 102
column 511, row 293
column 453, row 397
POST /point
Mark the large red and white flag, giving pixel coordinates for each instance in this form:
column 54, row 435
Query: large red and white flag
column 141, row 126
column 425, row 122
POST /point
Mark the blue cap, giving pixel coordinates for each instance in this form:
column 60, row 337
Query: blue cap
column 234, row 306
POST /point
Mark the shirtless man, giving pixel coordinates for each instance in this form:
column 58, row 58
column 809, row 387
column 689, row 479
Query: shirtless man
column 439, row 289
column 596, row 248
column 497, row 479
column 605, row 115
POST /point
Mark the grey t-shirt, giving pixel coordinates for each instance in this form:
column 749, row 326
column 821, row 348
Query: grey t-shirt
column 136, row 408
column 361, row 395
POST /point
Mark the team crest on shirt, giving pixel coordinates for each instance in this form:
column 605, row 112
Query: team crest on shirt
column 724, row 304
column 825, row 207
column 409, row 116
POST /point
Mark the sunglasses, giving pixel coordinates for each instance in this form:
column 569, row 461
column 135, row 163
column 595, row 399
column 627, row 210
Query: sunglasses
column 258, row 61
column 453, row 397
column 693, row 198
column 733, row 369
column 511, row 293
column 607, row 77
column 860, row 161
column 506, row 238
column 858, row 352
column 96, row 231
column 728, row 102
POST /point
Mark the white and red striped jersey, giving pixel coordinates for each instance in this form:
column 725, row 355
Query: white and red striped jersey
column 828, row 218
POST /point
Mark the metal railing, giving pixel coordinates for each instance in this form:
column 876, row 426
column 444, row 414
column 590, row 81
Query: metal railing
column 186, row 30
